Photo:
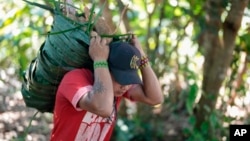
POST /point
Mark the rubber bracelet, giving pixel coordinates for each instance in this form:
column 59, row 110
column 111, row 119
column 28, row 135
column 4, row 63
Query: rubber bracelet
column 100, row 64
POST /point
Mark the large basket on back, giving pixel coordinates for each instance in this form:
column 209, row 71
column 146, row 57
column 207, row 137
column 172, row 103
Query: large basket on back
column 65, row 48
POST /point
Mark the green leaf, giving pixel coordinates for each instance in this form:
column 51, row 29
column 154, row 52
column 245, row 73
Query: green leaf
column 40, row 5
column 192, row 120
column 90, row 24
column 63, row 31
column 191, row 98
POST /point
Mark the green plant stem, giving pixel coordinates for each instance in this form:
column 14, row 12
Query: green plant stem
column 27, row 129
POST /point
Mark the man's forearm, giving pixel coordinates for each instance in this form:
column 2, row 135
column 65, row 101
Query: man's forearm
column 103, row 88
column 151, row 86
column 100, row 99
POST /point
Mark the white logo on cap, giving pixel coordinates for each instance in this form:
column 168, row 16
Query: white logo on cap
column 133, row 63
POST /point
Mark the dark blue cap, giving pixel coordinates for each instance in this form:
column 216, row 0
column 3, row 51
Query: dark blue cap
column 124, row 61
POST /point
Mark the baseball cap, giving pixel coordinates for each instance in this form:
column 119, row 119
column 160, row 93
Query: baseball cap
column 124, row 60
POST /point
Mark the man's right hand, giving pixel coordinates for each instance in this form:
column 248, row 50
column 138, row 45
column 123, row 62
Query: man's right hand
column 98, row 48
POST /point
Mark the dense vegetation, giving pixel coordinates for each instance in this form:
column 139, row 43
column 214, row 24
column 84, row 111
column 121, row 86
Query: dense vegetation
column 198, row 49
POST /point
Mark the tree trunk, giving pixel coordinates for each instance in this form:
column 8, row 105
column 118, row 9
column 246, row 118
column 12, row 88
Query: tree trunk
column 218, row 51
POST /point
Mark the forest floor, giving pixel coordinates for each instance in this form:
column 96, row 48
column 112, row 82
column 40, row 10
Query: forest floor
column 15, row 118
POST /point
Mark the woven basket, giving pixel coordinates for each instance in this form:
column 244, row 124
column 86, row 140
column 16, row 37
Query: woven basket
column 60, row 53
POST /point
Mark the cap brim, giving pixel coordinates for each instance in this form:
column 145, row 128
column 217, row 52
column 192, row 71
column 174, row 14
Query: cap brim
column 124, row 77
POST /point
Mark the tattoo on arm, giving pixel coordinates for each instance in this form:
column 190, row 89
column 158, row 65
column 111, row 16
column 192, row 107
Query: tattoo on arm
column 98, row 86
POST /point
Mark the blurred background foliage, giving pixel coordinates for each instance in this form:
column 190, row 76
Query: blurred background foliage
column 198, row 49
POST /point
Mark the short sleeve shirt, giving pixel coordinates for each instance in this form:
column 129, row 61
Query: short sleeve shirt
column 72, row 123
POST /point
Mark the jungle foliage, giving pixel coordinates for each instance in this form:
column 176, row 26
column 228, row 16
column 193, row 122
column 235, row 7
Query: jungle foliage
column 198, row 49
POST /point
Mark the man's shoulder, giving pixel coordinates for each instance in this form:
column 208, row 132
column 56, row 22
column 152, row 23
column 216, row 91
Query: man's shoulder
column 76, row 74
column 79, row 71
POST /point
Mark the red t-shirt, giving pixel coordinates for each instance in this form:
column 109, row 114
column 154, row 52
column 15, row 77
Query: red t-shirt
column 72, row 123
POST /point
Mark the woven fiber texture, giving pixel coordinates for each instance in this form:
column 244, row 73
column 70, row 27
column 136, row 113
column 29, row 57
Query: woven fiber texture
column 64, row 49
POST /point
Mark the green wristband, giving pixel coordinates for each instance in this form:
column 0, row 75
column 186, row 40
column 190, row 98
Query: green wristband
column 100, row 64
